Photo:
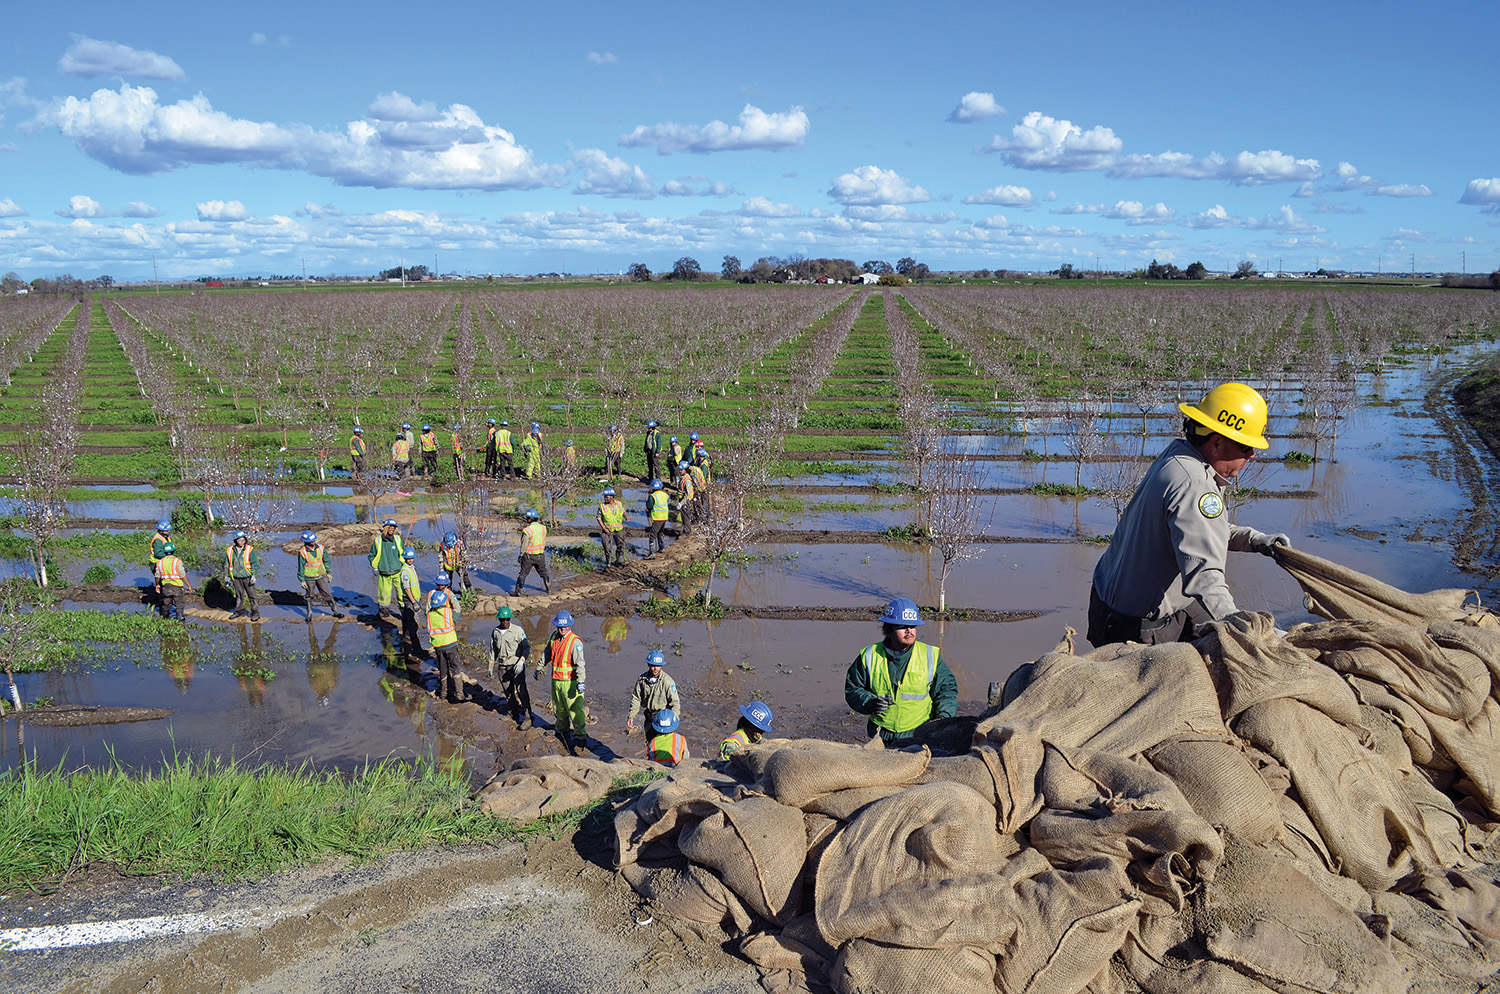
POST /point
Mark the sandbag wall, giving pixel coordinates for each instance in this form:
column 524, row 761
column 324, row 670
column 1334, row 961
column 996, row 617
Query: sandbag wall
column 1249, row 813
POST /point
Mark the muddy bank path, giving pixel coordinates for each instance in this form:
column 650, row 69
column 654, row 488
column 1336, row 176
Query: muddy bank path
column 550, row 916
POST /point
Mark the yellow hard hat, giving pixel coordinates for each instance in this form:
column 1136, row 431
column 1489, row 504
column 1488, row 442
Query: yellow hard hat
column 1235, row 411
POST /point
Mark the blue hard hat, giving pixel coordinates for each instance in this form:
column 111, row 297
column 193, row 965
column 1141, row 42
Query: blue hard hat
column 450, row 538
column 405, row 426
column 532, row 515
column 240, row 535
column 902, row 611
column 682, row 464
column 614, row 427
column 674, row 438
column 650, row 424
column 693, row 436
column 490, row 421
column 427, row 427
column 665, row 721
column 563, row 620
column 390, row 523
column 410, row 553
column 442, row 579
column 504, row 424
column 358, row 430
column 609, row 492
column 164, row 526
column 309, row 537
column 439, row 598
column 757, row 714
column 536, row 424
column 656, row 658
column 655, row 484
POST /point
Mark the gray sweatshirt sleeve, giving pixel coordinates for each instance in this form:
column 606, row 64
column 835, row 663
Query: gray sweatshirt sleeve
column 1199, row 526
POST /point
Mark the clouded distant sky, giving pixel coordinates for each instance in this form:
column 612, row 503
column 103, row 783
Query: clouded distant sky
column 511, row 138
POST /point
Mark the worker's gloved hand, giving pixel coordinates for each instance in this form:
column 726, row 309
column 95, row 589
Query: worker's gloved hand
column 1266, row 544
column 882, row 705
column 491, row 668
column 581, row 688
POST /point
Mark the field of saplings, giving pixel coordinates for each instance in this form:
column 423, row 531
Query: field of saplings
column 970, row 446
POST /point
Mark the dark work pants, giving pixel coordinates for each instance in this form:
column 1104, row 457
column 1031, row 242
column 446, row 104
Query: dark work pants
column 448, row 670
column 244, row 595
column 534, row 562
column 1108, row 626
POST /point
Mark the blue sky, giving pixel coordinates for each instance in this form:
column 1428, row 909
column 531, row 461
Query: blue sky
column 513, row 138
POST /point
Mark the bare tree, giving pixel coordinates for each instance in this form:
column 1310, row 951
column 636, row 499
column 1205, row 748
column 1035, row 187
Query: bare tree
column 558, row 481
column 23, row 636
column 726, row 523
column 955, row 507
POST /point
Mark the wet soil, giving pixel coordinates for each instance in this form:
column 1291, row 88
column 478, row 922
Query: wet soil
column 73, row 715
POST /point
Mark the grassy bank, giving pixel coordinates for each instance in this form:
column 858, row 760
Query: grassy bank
column 214, row 817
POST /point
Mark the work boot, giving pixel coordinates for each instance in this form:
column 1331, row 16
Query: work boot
column 516, row 592
column 255, row 616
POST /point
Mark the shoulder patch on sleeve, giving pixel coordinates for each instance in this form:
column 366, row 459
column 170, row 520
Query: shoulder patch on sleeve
column 1211, row 505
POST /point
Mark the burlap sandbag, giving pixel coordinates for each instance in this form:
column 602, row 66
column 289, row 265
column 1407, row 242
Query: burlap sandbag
column 1338, row 592
column 865, row 967
column 1003, row 769
column 1409, row 719
column 1478, row 636
column 1221, row 784
column 545, row 785
column 756, row 846
column 1123, row 706
column 842, row 805
column 1353, row 797
column 797, row 947
column 1448, row 684
column 750, row 763
column 1438, row 951
column 680, row 889
column 796, row 776
column 1250, row 663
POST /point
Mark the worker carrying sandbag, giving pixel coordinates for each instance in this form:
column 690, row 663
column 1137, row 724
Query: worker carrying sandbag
column 900, row 682
column 1163, row 572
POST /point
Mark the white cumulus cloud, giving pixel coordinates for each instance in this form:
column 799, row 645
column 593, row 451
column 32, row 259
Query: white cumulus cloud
column 139, row 208
column 975, row 106
column 602, row 58
column 1003, row 196
column 1129, row 211
column 131, row 130
column 870, row 186
column 91, row 57
column 1043, row 142
column 9, row 208
column 756, row 130
column 1283, row 219
column 222, row 210
column 1483, row 192
column 763, row 207
column 697, row 186
column 607, row 176
column 81, row 206
column 1402, row 190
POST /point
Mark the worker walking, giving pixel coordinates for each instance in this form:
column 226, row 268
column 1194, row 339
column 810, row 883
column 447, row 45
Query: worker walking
column 652, row 449
column 312, row 572
column 457, row 442
column 754, row 725
column 409, row 593
column 357, row 451
column 900, row 682
column 401, row 454
column 442, row 633
column 386, row 557
column 653, row 691
column 533, row 552
column 172, row 583
column 668, row 747
column 159, row 542
column 451, row 556
column 243, row 562
column 429, row 451
column 1162, row 574
column 612, row 528
column 510, row 651
column 614, row 451
column 564, row 656
column 657, row 510
column 531, row 450
column 685, row 490
column 490, row 456
column 505, row 461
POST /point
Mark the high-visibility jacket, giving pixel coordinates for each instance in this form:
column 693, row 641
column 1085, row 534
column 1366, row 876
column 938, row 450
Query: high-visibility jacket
column 561, row 651
column 489, row 437
column 400, row 451
column 170, row 572
column 502, row 440
column 669, row 748
column 242, row 562
column 429, row 441
column 700, row 480
column 612, row 516
column 676, row 453
column 653, row 441
column 158, row 541
column 657, row 507
column 440, row 625
column 458, row 444
column 411, row 586
column 616, row 444
column 912, row 701
column 310, row 563
column 685, row 485
column 356, row 445
column 384, row 558
column 570, row 456
column 451, row 556
column 733, row 743
column 534, row 538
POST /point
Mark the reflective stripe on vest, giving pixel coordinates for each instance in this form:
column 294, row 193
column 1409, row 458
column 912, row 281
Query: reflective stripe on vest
column 613, row 515
column 313, row 563
column 449, row 556
column 502, row 440
column 912, row 701
column 616, row 444
column 244, row 562
column 171, row 571
column 429, row 441
column 562, row 656
column 733, row 743
column 685, row 484
column 400, row 451
column 156, row 548
column 658, row 505
column 534, row 538
column 458, row 445
column 356, row 446
column 411, row 586
column 668, row 748
column 699, row 480
column 441, row 633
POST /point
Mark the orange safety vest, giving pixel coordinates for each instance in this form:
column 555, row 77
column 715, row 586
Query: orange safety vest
column 314, row 567
column 429, row 441
column 669, row 748
column 356, row 445
column 157, row 539
column 244, row 557
column 458, row 445
column 442, row 632
column 733, row 743
column 170, row 572
column 535, row 538
column 616, row 444
column 562, row 656
column 449, row 556
column 400, row 450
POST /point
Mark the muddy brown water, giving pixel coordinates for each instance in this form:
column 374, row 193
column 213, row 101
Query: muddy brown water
column 1397, row 502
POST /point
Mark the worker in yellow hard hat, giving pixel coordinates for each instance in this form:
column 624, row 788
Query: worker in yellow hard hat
column 1163, row 572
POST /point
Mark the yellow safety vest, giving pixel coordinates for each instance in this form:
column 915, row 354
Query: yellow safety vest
column 570, row 455
column 502, row 440
column 912, row 701
column 458, row 445
column 733, row 743
column 562, row 656
column 535, row 538
column 616, row 444
column 244, row 562
column 441, row 632
column 411, row 586
column 171, row 572
column 356, row 445
column 429, row 441
column 449, row 556
column 157, row 541
column 400, row 451
column 685, row 484
column 314, row 563
column 669, row 748
column 613, row 515
column 699, row 480
column 658, row 505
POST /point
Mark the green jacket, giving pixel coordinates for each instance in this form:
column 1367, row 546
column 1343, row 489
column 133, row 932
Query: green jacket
column 236, row 563
column 385, row 556
column 861, row 699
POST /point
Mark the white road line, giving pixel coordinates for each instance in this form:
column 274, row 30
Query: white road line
column 125, row 930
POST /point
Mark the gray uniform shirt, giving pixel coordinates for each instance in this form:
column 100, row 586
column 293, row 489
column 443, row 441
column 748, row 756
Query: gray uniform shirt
column 653, row 696
column 1169, row 549
column 509, row 648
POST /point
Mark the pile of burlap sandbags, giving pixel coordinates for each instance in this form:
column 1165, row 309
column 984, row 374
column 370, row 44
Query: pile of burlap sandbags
column 544, row 785
column 1249, row 813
